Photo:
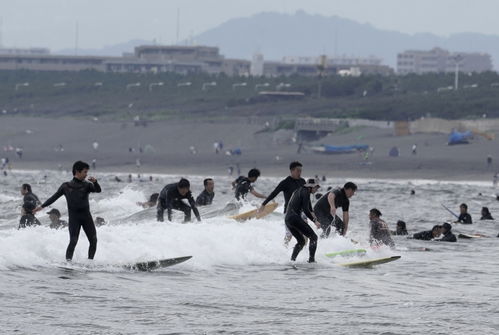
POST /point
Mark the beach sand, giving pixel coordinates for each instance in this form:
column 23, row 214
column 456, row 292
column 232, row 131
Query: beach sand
column 166, row 149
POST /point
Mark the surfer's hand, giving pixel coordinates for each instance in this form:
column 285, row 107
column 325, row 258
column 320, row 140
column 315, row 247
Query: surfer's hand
column 317, row 224
column 260, row 209
column 92, row 179
column 37, row 209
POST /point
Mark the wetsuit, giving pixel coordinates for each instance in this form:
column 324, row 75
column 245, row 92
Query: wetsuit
column 243, row 187
column 298, row 204
column 322, row 210
column 380, row 233
column 30, row 201
column 424, row 235
column 465, row 218
column 76, row 193
column 287, row 187
column 205, row 198
column 448, row 237
column 170, row 198
column 487, row 216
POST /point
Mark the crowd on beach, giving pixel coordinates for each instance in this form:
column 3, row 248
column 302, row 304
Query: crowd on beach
column 298, row 209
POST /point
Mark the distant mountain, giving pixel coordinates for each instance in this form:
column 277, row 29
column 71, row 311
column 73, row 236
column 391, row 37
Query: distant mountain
column 277, row 35
column 108, row 50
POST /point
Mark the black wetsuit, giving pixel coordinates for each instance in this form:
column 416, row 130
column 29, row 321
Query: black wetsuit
column 76, row 193
column 465, row 218
column 380, row 233
column 322, row 210
column 487, row 216
column 205, row 198
column 298, row 204
column 448, row 237
column 243, row 187
column 170, row 198
column 30, row 202
column 424, row 235
column 287, row 187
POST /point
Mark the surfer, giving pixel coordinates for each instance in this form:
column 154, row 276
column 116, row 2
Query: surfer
column 243, row 185
column 153, row 199
column 300, row 204
column 401, row 228
column 55, row 219
column 448, row 235
column 287, row 186
column 486, row 214
column 428, row 235
column 464, row 216
column 76, row 193
column 205, row 198
column 380, row 234
column 325, row 209
column 171, row 197
column 30, row 202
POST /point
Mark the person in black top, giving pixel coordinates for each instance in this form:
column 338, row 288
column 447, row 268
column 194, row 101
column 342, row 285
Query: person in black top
column 429, row 234
column 300, row 204
column 243, row 186
column 171, row 197
column 448, row 235
column 325, row 209
column 153, row 200
column 287, row 186
column 76, row 192
column 486, row 214
column 55, row 219
column 380, row 234
column 464, row 216
column 206, row 197
column 401, row 228
column 30, row 202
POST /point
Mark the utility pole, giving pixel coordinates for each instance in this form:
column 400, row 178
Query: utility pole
column 178, row 25
column 458, row 58
column 76, row 38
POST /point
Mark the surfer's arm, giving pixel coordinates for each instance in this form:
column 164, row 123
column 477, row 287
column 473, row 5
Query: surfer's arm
column 272, row 195
column 194, row 208
column 94, row 185
column 346, row 217
column 53, row 198
column 256, row 194
column 330, row 199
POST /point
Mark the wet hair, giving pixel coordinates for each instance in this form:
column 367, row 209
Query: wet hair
column 205, row 182
column 184, row 183
column 80, row 166
column 294, row 165
column 485, row 210
column 254, row 173
column 401, row 224
column 436, row 227
column 350, row 186
column 375, row 212
column 464, row 206
column 154, row 197
column 26, row 187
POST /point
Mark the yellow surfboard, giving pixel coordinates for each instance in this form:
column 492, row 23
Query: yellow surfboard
column 269, row 208
column 370, row 262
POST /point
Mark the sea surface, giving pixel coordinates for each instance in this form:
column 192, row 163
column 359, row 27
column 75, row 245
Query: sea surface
column 240, row 279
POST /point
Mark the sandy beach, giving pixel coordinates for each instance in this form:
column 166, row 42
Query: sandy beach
column 166, row 148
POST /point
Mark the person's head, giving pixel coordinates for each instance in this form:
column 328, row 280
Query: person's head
column 25, row 189
column 436, row 230
column 154, row 198
column 312, row 184
column 350, row 189
column 253, row 175
column 446, row 227
column 209, row 185
column 374, row 213
column 80, row 170
column 413, row 192
column 401, row 226
column 485, row 211
column 463, row 208
column 99, row 221
column 183, row 186
column 295, row 169
column 54, row 215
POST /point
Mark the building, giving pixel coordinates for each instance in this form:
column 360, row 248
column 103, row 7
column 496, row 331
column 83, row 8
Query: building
column 438, row 60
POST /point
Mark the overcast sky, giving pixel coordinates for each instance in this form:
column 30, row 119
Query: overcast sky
column 52, row 23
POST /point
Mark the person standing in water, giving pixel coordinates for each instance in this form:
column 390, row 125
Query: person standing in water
column 380, row 234
column 30, row 202
column 242, row 185
column 205, row 198
column 171, row 197
column 76, row 193
column 287, row 186
column 300, row 204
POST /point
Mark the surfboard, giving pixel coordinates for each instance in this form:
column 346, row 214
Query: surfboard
column 152, row 265
column 370, row 262
column 347, row 253
column 468, row 236
column 269, row 208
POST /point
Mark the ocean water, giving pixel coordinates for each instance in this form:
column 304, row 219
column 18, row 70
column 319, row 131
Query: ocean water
column 240, row 279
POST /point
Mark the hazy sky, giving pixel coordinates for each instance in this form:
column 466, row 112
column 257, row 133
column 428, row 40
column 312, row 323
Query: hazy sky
column 52, row 23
